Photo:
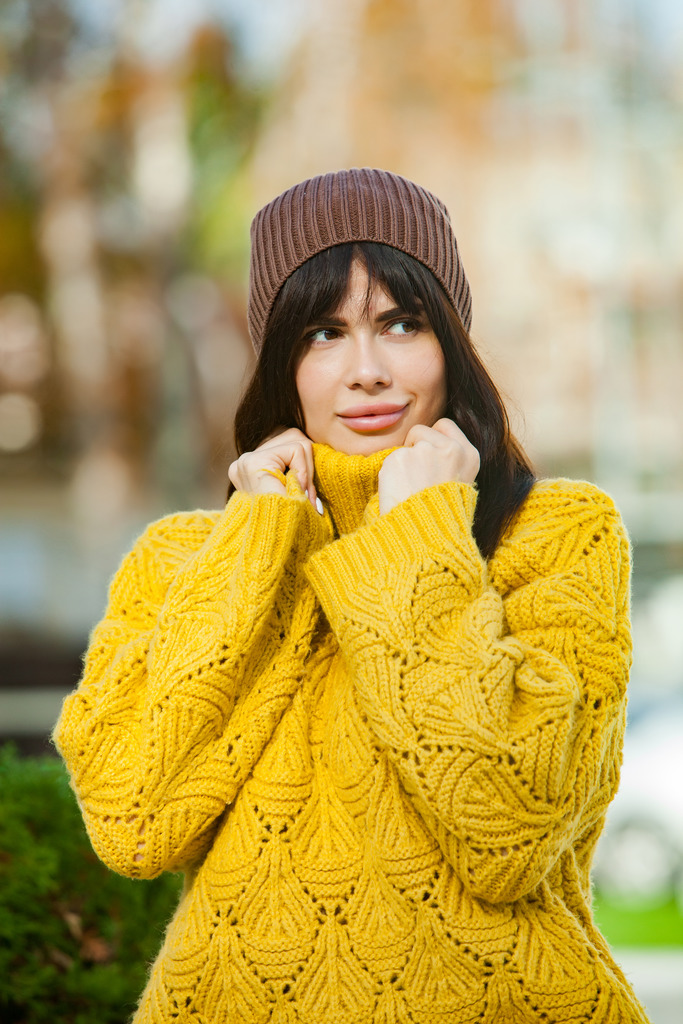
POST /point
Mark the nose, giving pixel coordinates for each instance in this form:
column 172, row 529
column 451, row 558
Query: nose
column 367, row 367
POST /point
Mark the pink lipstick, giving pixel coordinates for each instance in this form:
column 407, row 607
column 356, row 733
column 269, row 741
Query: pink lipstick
column 376, row 416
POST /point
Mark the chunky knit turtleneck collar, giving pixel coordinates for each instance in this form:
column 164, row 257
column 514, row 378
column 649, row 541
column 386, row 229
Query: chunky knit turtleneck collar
column 346, row 483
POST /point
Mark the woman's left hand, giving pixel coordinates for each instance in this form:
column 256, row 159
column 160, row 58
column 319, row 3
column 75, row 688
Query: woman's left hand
column 429, row 456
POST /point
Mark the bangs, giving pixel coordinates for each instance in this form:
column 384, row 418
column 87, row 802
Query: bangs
column 313, row 291
column 319, row 286
column 326, row 278
column 406, row 281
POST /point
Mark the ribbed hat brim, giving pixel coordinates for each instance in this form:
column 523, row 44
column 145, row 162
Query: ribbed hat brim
column 358, row 205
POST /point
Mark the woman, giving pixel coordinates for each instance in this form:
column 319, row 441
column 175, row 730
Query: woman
column 374, row 708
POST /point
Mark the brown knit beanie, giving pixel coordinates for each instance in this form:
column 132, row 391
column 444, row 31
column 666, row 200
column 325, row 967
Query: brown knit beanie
column 359, row 205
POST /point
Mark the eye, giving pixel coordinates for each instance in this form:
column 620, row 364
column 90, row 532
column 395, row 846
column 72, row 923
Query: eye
column 321, row 336
column 403, row 327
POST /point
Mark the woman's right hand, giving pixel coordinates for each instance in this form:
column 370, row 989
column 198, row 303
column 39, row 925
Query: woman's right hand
column 263, row 470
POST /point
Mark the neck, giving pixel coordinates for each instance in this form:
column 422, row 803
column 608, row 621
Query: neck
column 346, row 483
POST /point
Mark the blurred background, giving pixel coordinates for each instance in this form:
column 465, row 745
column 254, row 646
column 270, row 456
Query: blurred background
column 137, row 140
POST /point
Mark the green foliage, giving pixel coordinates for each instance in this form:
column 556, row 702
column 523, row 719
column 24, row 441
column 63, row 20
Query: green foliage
column 75, row 938
column 650, row 927
column 224, row 115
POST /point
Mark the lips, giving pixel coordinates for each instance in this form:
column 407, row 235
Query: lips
column 368, row 418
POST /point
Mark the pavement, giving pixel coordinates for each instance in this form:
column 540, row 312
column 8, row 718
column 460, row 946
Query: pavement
column 657, row 978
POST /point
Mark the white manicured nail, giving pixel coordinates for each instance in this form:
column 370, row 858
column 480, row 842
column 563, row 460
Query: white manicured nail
column 319, row 505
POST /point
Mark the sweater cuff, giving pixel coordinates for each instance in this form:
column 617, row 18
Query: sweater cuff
column 434, row 525
column 260, row 530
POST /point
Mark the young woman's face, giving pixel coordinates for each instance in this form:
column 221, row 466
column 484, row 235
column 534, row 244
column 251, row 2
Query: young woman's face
column 369, row 373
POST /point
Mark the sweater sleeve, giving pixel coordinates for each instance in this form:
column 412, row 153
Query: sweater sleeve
column 501, row 707
column 178, row 697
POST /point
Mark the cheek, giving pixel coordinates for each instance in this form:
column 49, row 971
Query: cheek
column 302, row 387
column 432, row 375
column 440, row 389
column 313, row 388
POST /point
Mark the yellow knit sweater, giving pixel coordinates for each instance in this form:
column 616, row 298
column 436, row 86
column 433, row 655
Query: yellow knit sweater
column 382, row 763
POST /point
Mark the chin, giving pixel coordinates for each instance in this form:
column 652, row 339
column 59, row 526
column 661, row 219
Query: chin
column 366, row 444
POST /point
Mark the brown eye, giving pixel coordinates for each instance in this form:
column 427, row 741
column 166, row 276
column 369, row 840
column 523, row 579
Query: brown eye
column 321, row 336
column 402, row 327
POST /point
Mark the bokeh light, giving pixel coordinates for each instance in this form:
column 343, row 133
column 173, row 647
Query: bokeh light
column 19, row 422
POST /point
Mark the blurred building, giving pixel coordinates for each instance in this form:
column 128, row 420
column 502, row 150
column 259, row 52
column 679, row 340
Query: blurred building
column 129, row 177
column 551, row 130
column 123, row 340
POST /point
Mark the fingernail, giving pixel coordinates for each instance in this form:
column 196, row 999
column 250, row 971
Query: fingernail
column 319, row 506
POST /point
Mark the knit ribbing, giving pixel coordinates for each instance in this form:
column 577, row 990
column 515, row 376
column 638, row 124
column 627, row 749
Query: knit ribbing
column 362, row 204
column 383, row 762
column 346, row 483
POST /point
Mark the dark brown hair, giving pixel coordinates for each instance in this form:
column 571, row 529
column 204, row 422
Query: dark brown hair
column 271, row 402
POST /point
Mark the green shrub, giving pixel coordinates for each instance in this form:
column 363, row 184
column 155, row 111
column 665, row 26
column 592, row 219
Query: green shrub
column 75, row 938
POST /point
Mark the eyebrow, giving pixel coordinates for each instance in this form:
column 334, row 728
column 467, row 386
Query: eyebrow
column 388, row 314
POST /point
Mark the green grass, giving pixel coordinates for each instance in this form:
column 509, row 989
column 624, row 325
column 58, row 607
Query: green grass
column 646, row 928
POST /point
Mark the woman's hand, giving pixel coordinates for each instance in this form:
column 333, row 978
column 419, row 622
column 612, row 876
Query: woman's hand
column 430, row 455
column 263, row 470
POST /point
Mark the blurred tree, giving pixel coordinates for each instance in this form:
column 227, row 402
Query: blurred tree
column 121, row 175
column 224, row 116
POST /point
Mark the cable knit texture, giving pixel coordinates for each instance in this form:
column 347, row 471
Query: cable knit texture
column 382, row 763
